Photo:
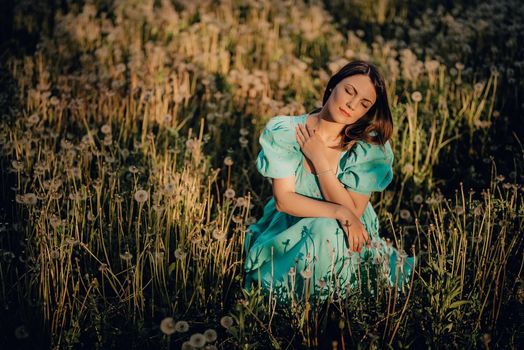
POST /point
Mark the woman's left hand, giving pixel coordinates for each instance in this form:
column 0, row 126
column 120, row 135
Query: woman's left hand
column 311, row 144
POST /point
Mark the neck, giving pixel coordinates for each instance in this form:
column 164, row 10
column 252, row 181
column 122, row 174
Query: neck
column 328, row 130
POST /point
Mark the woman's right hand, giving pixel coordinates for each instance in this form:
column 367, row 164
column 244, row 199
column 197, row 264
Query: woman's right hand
column 353, row 227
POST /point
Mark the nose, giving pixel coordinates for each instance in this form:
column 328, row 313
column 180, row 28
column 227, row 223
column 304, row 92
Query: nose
column 350, row 104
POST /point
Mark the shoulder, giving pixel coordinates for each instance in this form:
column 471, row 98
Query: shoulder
column 281, row 128
column 279, row 122
column 363, row 151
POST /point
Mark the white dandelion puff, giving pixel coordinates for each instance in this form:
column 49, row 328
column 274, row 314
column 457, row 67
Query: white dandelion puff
column 226, row 321
column 405, row 214
column 211, row 335
column 181, row 326
column 141, row 196
column 167, row 326
column 197, row 340
column 306, row 273
column 416, row 96
column 229, row 193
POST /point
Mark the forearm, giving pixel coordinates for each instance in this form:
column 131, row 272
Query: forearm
column 333, row 191
column 298, row 205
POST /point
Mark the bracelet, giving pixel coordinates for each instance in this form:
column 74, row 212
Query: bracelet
column 325, row 171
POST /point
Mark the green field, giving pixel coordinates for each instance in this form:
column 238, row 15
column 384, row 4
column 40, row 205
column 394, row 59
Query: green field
column 128, row 138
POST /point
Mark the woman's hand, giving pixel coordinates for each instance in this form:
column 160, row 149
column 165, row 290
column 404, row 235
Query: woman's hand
column 355, row 231
column 311, row 144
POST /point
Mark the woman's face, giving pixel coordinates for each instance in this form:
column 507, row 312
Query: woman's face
column 351, row 99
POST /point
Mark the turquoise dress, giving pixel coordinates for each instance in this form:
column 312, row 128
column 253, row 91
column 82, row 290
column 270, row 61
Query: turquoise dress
column 309, row 256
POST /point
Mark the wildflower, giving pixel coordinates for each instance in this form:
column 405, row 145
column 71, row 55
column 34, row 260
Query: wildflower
column 167, row 118
column 229, row 193
column 211, row 335
column 418, row 199
column 520, row 295
column 306, row 273
column 237, row 219
column 478, row 87
column 219, row 235
column 243, row 141
column 292, row 272
column 167, row 326
column 321, row 283
column 500, row 178
column 102, row 267
column 33, row 119
column 416, row 96
column 127, row 256
column 405, row 214
column 17, row 165
column 181, row 326
column 452, row 71
column 459, row 210
column 187, row 345
column 226, row 321
column 228, row 161
column 244, row 132
column 191, row 143
column 408, row 168
column 477, row 210
column 21, row 332
column 180, row 253
column 241, row 201
column 133, row 169
column 377, row 259
column 169, row 187
column 106, row 129
column 141, row 196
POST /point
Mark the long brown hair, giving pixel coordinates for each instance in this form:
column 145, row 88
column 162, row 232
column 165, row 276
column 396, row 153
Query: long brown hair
column 378, row 117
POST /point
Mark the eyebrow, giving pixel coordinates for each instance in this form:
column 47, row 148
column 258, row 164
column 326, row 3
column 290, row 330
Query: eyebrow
column 357, row 92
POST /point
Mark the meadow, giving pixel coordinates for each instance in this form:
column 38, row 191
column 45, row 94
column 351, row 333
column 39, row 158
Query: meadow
column 128, row 137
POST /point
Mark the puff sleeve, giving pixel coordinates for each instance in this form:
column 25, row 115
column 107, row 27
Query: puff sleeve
column 368, row 168
column 279, row 155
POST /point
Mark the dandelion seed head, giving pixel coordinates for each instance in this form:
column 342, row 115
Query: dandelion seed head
column 180, row 253
column 229, row 193
column 244, row 132
column 226, row 321
column 211, row 335
column 167, row 118
column 106, row 129
column 33, row 119
column 408, row 168
column 181, row 326
column 306, row 274
column 127, row 256
column 197, row 340
column 243, row 141
column 219, row 235
column 418, row 199
column 187, row 345
column 167, row 326
column 21, row 332
column 228, row 161
column 141, row 196
column 416, row 96
column 405, row 214
column 241, row 201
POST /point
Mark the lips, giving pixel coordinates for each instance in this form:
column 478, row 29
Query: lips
column 345, row 113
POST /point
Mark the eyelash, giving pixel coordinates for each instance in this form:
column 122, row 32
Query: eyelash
column 363, row 105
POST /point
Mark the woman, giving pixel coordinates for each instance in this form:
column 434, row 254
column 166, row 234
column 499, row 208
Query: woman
column 319, row 228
